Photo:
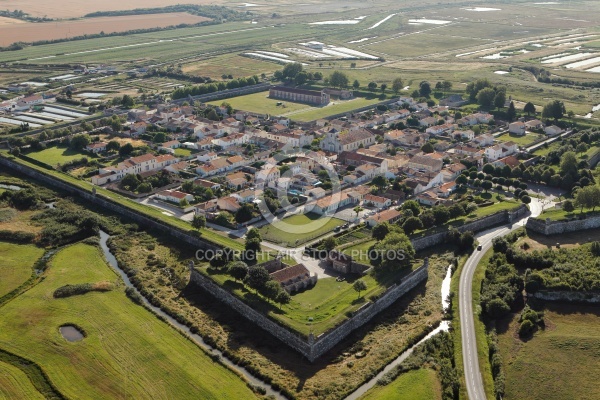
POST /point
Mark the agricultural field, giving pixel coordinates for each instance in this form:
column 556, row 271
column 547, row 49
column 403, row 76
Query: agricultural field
column 31, row 32
column 420, row 384
column 16, row 261
column 120, row 338
column 298, row 229
column 559, row 362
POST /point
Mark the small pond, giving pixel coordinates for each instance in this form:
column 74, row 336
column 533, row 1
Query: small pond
column 71, row 333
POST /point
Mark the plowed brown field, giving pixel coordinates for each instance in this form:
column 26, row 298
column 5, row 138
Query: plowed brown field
column 31, row 32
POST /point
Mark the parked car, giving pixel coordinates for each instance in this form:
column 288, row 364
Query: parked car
column 479, row 247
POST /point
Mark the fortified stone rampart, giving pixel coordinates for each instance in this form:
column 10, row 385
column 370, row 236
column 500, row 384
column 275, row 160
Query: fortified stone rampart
column 549, row 227
column 312, row 348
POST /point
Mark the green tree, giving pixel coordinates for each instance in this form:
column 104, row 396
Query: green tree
column 380, row 181
column 383, row 87
column 244, row 213
column 126, row 149
column 588, row 197
column 78, row 142
column 113, row 145
column 127, row 101
column 582, row 148
column 380, row 231
column 198, row 222
column 130, row 182
column 330, row 243
column 500, row 98
column 424, row 89
column 238, row 270
column 372, row 86
column 394, row 252
column 568, row 164
column 555, row 109
column 257, row 278
column 356, row 84
column 338, row 79
column 412, row 224
column 441, row 214
column 413, row 206
column 271, row 289
column 485, row 97
column 397, row 85
column 497, row 308
column 291, row 70
column 160, row 137
column 254, row 233
column 568, row 206
column 511, row 113
column 283, row 298
column 529, row 109
column 427, row 148
column 301, row 78
column 360, row 286
column 486, row 185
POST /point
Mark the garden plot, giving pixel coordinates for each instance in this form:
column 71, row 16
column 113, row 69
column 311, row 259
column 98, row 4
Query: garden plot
column 11, row 121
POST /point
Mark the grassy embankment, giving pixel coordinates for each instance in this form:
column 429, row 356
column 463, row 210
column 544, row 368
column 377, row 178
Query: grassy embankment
column 16, row 263
column 207, row 234
column 126, row 351
column 420, row 384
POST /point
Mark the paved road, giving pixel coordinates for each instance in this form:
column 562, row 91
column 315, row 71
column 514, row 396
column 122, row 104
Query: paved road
column 473, row 379
column 552, row 139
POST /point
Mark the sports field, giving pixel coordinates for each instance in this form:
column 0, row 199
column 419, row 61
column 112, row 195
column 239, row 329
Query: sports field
column 127, row 351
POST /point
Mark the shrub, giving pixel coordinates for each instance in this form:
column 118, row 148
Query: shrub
column 81, row 288
column 526, row 329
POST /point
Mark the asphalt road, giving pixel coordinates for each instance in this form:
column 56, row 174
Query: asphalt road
column 473, row 379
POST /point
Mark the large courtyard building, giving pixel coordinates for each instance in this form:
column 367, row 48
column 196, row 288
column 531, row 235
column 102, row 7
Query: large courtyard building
column 299, row 95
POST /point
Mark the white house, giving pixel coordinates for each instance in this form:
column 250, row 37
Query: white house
column 347, row 140
column 134, row 165
column 376, row 201
column 174, row 196
column 97, row 147
column 517, row 128
column 553, row 130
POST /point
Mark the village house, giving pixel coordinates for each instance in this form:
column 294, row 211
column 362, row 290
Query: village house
column 208, row 209
column 247, row 196
column 553, row 130
column 440, row 129
column 484, row 140
column 228, row 203
column 339, row 261
column 501, row 150
column 425, row 163
column 517, row 128
column 174, row 196
column 376, row 201
column 207, row 184
column 267, row 177
column 534, row 124
column 177, row 167
column 294, row 278
column 347, row 140
column 97, row 147
column 428, row 121
column 465, row 135
column 330, row 204
column 295, row 138
column 236, row 180
column 134, row 165
column 389, row 216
